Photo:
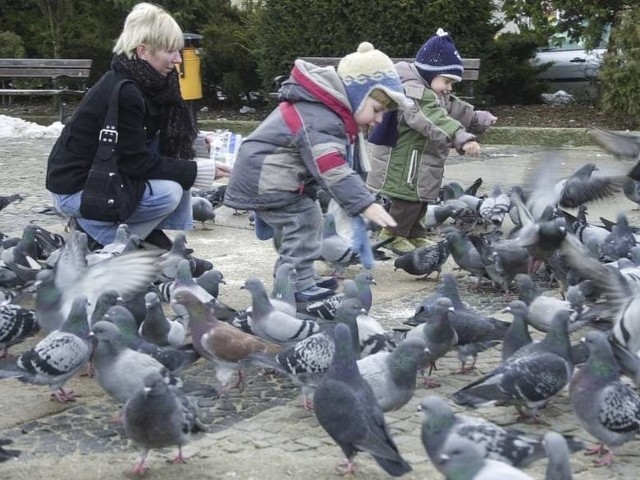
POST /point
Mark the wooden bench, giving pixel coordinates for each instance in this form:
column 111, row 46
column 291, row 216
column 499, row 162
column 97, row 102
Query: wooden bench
column 470, row 74
column 12, row 69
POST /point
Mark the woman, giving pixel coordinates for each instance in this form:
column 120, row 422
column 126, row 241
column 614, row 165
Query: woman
column 155, row 136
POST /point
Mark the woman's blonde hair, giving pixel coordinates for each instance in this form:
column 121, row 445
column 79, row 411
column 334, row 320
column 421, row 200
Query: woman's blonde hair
column 385, row 100
column 151, row 25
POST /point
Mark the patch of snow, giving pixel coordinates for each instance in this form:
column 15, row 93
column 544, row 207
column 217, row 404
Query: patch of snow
column 11, row 127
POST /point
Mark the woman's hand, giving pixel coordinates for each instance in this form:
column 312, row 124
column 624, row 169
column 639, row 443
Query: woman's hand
column 222, row 170
column 378, row 215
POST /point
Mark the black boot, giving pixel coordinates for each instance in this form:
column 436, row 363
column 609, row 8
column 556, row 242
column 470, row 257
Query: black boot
column 159, row 239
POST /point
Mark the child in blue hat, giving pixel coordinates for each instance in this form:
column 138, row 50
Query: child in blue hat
column 409, row 149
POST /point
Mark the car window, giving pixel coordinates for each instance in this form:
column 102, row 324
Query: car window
column 561, row 41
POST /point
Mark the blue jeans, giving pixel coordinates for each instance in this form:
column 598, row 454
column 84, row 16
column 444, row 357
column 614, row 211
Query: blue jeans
column 164, row 205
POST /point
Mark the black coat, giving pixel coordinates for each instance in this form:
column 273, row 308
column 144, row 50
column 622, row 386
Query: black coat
column 139, row 120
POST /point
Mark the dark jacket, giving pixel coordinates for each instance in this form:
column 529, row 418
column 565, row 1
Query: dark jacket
column 139, row 120
column 310, row 139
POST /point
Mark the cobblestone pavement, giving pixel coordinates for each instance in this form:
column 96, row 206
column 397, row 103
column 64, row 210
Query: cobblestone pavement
column 262, row 431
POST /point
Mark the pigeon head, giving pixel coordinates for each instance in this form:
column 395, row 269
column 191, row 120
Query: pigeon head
column 460, row 458
column 76, row 321
column 438, row 415
column 108, row 335
column 154, row 383
column 122, row 318
column 601, row 359
column 151, row 298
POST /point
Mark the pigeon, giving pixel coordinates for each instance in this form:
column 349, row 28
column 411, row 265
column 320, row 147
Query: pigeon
column 631, row 190
column 346, row 408
column 215, row 194
column 495, row 206
column 16, row 323
column 173, row 359
column 570, row 192
column 517, row 335
column 158, row 415
column 171, row 259
column 22, row 258
column 306, row 362
column 559, row 465
column 437, row 333
column 334, row 249
column 60, row 355
column 184, row 279
column 104, row 302
column 606, row 407
column 202, row 210
column 543, row 307
column 360, row 287
column 621, row 145
column 7, row 453
column 507, row 445
column 119, row 370
column 465, row 254
column 274, row 325
column 437, row 214
column 127, row 273
column 502, row 259
column 619, row 242
column 224, row 345
column 529, row 378
column 424, row 260
column 119, row 244
column 461, row 459
column 6, row 200
column 157, row 328
column 392, row 375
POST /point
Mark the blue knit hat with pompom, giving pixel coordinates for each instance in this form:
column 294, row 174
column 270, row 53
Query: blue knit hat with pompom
column 439, row 56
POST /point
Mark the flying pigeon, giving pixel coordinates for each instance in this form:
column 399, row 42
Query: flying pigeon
column 158, row 415
column 621, row 145
column 334, row 249
column 606, row 407
column 346, row 409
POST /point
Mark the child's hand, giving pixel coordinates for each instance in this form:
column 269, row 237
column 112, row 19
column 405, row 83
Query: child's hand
column 471, row 148
column 377, row 214
column 485, row 118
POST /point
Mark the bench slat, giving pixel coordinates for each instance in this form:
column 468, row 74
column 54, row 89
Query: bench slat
column 46, row 62
column 38, row 92
column 44, row 72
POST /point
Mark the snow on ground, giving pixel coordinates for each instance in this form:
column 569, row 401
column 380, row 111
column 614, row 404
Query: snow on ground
column 11, row 127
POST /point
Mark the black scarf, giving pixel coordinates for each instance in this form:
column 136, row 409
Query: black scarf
column 178, row 132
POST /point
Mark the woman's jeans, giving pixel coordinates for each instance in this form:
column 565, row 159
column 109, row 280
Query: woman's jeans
column 164, row 205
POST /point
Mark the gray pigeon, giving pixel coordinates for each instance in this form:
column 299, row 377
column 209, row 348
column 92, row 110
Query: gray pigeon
column 619, row 242
column 283, row 296
column 461, row 459
column 437, row 333
column 119, row 244
column 359, row 288
column 465, row 254
column 274, row 325
column 507, row 445
column 120, row 371
column 157, row 328
column 306, row 362
column 437, row 214
column 517, row 335
column 7, row 453
column 559, row 465
column 606, row 407
column 621, row 145
column 127, row 273
column 60, row 355
column 202, row 210
column 631, row 190
column 495, row 206
column 423, row 261
column 334, row 249
column 174, row 359
column 392, row 375
column 158, row 415
column 346, row 409
column 529, row 378
column 104, row 302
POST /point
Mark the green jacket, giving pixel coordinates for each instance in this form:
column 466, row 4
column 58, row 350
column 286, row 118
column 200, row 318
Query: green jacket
column 413, row 169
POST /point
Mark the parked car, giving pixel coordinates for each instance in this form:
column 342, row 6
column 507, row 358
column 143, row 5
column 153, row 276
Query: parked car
column 573, row 69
